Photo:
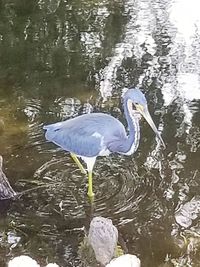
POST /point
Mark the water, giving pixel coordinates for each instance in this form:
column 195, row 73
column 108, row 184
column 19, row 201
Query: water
column 60, row 59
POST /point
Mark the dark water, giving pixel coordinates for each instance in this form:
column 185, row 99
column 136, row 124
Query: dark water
column 59, row 59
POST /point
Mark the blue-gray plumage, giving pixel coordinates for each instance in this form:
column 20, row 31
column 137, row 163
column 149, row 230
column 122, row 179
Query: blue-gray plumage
column 98, row 134
column 86, row 135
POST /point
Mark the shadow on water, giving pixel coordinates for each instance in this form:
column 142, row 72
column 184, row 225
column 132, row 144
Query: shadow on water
column 60, row 59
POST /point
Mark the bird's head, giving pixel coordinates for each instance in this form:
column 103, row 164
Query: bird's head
column 136, row 100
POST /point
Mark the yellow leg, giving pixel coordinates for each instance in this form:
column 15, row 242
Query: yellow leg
column 90, row 192
column 78, row 163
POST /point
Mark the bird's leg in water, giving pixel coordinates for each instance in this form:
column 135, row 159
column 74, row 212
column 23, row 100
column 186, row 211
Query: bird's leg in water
column 78, row 163
column 90, row 192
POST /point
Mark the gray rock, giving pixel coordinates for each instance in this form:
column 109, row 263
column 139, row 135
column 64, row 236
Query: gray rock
column 103, row 237
column 6, row 191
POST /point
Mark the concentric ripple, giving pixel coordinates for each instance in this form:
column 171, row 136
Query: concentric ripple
column 118, row 188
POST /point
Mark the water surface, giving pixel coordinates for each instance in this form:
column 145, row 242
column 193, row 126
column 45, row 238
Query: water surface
column 60, row 59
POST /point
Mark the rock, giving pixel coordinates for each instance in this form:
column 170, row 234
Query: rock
column 126, row 260
column 52, row 265
column 23, row 261
column 6, row 191
column 103, row 237
column 26, row 261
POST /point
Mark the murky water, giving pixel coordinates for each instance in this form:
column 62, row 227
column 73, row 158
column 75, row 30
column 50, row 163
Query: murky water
column 59, row 59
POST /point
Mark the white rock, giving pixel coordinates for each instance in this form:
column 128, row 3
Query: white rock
column 23, row 261
column 126, row 260
column 52, row 265
column 26, row 261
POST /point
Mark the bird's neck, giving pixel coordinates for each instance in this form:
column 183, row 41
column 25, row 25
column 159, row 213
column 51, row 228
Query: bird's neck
column 133, row 137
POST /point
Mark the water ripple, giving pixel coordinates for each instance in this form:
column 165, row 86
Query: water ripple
column 65, row 107
column 32, row 108
column 118, row 190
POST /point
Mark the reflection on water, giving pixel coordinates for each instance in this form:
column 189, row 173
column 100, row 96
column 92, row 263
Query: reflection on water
column 60, row 59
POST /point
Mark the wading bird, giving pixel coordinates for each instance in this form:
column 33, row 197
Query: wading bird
column 97, row 134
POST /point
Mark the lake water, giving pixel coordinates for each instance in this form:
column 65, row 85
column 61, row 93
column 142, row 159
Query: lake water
column 62, row 58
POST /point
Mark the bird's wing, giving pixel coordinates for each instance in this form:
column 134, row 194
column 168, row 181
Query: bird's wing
column 117, row 144
column 86, row 135
column 80, row 139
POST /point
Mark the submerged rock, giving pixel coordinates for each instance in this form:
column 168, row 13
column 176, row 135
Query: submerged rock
column 6, row 191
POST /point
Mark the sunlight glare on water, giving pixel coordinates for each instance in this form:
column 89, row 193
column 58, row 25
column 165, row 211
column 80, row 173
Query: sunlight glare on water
column 184, row 16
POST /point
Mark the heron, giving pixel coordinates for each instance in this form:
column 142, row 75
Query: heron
column 98, row 134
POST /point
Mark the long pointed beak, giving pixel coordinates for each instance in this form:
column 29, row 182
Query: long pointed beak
column 145, row 113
